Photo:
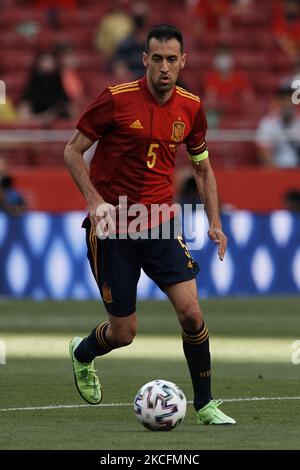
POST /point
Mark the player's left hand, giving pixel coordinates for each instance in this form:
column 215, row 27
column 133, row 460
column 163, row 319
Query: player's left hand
column 219, row 238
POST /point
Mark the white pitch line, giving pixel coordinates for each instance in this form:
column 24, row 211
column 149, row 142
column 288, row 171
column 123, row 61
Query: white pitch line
column 112, row 405
column 258, row 399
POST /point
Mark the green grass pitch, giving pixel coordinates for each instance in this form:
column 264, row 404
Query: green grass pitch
column 251, row 343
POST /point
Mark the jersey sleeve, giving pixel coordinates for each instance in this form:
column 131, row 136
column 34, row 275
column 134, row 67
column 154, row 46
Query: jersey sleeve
column 195, row 141
column 98, row 118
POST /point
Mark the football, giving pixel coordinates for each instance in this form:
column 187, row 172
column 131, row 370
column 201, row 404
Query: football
column 160, row 405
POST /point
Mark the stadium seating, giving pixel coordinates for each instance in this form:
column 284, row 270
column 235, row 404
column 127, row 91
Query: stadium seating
column 26, row 30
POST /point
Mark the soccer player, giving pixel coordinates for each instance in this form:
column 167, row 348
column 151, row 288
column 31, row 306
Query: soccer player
column 139, row 126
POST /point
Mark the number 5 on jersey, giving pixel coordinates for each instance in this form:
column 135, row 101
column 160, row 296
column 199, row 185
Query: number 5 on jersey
column 152, row 155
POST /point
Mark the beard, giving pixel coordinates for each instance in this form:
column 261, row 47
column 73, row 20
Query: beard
column 162, row 87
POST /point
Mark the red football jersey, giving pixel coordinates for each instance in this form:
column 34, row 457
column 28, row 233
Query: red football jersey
column 138, row 141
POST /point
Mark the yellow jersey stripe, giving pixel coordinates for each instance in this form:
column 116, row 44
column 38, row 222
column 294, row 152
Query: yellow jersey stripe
column 182, row 90
column 125, row 90
column 188, row 96
column 93, row 245
column 186, row 91
column 123, row 85
column 203, row 145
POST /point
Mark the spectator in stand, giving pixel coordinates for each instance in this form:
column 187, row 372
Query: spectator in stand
column 292, row 200
column 8, row 113
column 286, row 26
column 216, row 16
column 3, row 167
column 71, row 80
column 131, row 48
column 53, row 7
column 44, row 98
column 211, row 16
column 114, row 27
column 278, row 134
column 224, row 86
column 11, row 200
column 242, row 8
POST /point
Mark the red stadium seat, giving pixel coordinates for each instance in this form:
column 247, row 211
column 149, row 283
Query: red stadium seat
column 247, row 60
column 83, row 17
column 90, row 61
column 266, row 83
column 232, row 154
column 12, row 17
column 16, row 61
column 255, row 50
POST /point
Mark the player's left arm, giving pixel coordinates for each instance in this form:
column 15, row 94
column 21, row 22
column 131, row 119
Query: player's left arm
column 207, row 187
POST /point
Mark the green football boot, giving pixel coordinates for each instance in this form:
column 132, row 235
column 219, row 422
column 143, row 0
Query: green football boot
column 86, row 380
column 210, row 414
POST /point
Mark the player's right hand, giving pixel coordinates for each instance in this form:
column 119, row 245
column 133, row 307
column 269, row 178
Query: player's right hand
column 103, row 219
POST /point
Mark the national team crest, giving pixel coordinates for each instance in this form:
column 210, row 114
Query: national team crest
column 178, row 131
column 106, row 292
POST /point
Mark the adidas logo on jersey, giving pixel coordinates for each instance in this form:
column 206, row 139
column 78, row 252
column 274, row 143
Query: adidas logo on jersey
column 136, row 125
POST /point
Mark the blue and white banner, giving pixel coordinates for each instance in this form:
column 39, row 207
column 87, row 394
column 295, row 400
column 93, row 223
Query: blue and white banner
column 44, row 256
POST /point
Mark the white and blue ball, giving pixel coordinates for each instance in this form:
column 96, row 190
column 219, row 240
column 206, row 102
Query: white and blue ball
column 160, row 405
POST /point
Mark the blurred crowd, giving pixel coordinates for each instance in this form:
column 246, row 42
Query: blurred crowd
column 242, row 56
column 11, row 200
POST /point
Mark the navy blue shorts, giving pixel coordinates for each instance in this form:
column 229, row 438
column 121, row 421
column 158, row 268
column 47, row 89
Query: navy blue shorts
column 116, row 265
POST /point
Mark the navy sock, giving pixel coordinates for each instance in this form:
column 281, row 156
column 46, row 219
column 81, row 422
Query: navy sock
column 196, row 351
column 95, row 344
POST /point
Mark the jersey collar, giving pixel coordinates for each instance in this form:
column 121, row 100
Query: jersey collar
column 145, row 89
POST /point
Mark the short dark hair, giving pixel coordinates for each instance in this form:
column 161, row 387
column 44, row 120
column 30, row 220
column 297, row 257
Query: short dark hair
column 164, row 32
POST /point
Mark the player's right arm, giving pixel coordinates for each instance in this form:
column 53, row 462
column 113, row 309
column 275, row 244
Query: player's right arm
column 93, row 123
column 73, row 155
